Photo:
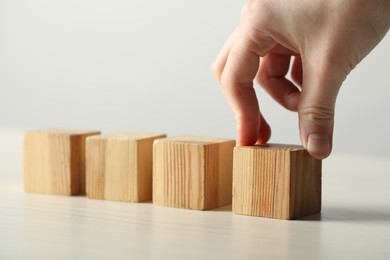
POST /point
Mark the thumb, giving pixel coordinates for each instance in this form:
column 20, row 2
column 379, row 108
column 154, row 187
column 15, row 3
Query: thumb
column 316, row 108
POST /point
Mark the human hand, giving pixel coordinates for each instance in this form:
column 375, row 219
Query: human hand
column 327, row 39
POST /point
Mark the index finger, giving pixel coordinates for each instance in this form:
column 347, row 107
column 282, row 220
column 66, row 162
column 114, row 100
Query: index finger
column 237, row 83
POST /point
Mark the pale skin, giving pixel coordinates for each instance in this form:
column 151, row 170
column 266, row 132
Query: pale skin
column 326, row 38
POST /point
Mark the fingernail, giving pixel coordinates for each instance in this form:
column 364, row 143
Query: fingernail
column 318, row 145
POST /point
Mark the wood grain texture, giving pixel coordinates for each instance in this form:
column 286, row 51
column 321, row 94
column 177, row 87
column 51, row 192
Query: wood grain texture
column 54, row 161
column 192, row 172
column 354, row 222
column 119, row 166
column 276, row 181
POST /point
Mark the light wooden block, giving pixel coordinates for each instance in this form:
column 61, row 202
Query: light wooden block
column 276, row 181
column 119, row 166
column 54, row 161
column 192, row 172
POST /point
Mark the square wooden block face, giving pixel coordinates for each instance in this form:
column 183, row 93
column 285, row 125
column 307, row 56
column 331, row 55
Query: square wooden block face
column 119, row 166
column 276, row 181
column 54, row 161
column 192, row 172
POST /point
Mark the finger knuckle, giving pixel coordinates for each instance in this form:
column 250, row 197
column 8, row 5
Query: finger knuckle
column 216, row 69
column 226, row 81
column 317, row 115
column 262, row 78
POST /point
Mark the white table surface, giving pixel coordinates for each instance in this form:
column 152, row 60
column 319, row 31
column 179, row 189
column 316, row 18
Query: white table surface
column 354, row 223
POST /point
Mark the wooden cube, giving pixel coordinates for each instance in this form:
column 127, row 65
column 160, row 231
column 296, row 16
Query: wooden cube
column 276, row 181
column 192, row 172
column 54, row 161
column 119, row 166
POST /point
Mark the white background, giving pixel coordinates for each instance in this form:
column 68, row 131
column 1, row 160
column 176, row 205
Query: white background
column 145, row 66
